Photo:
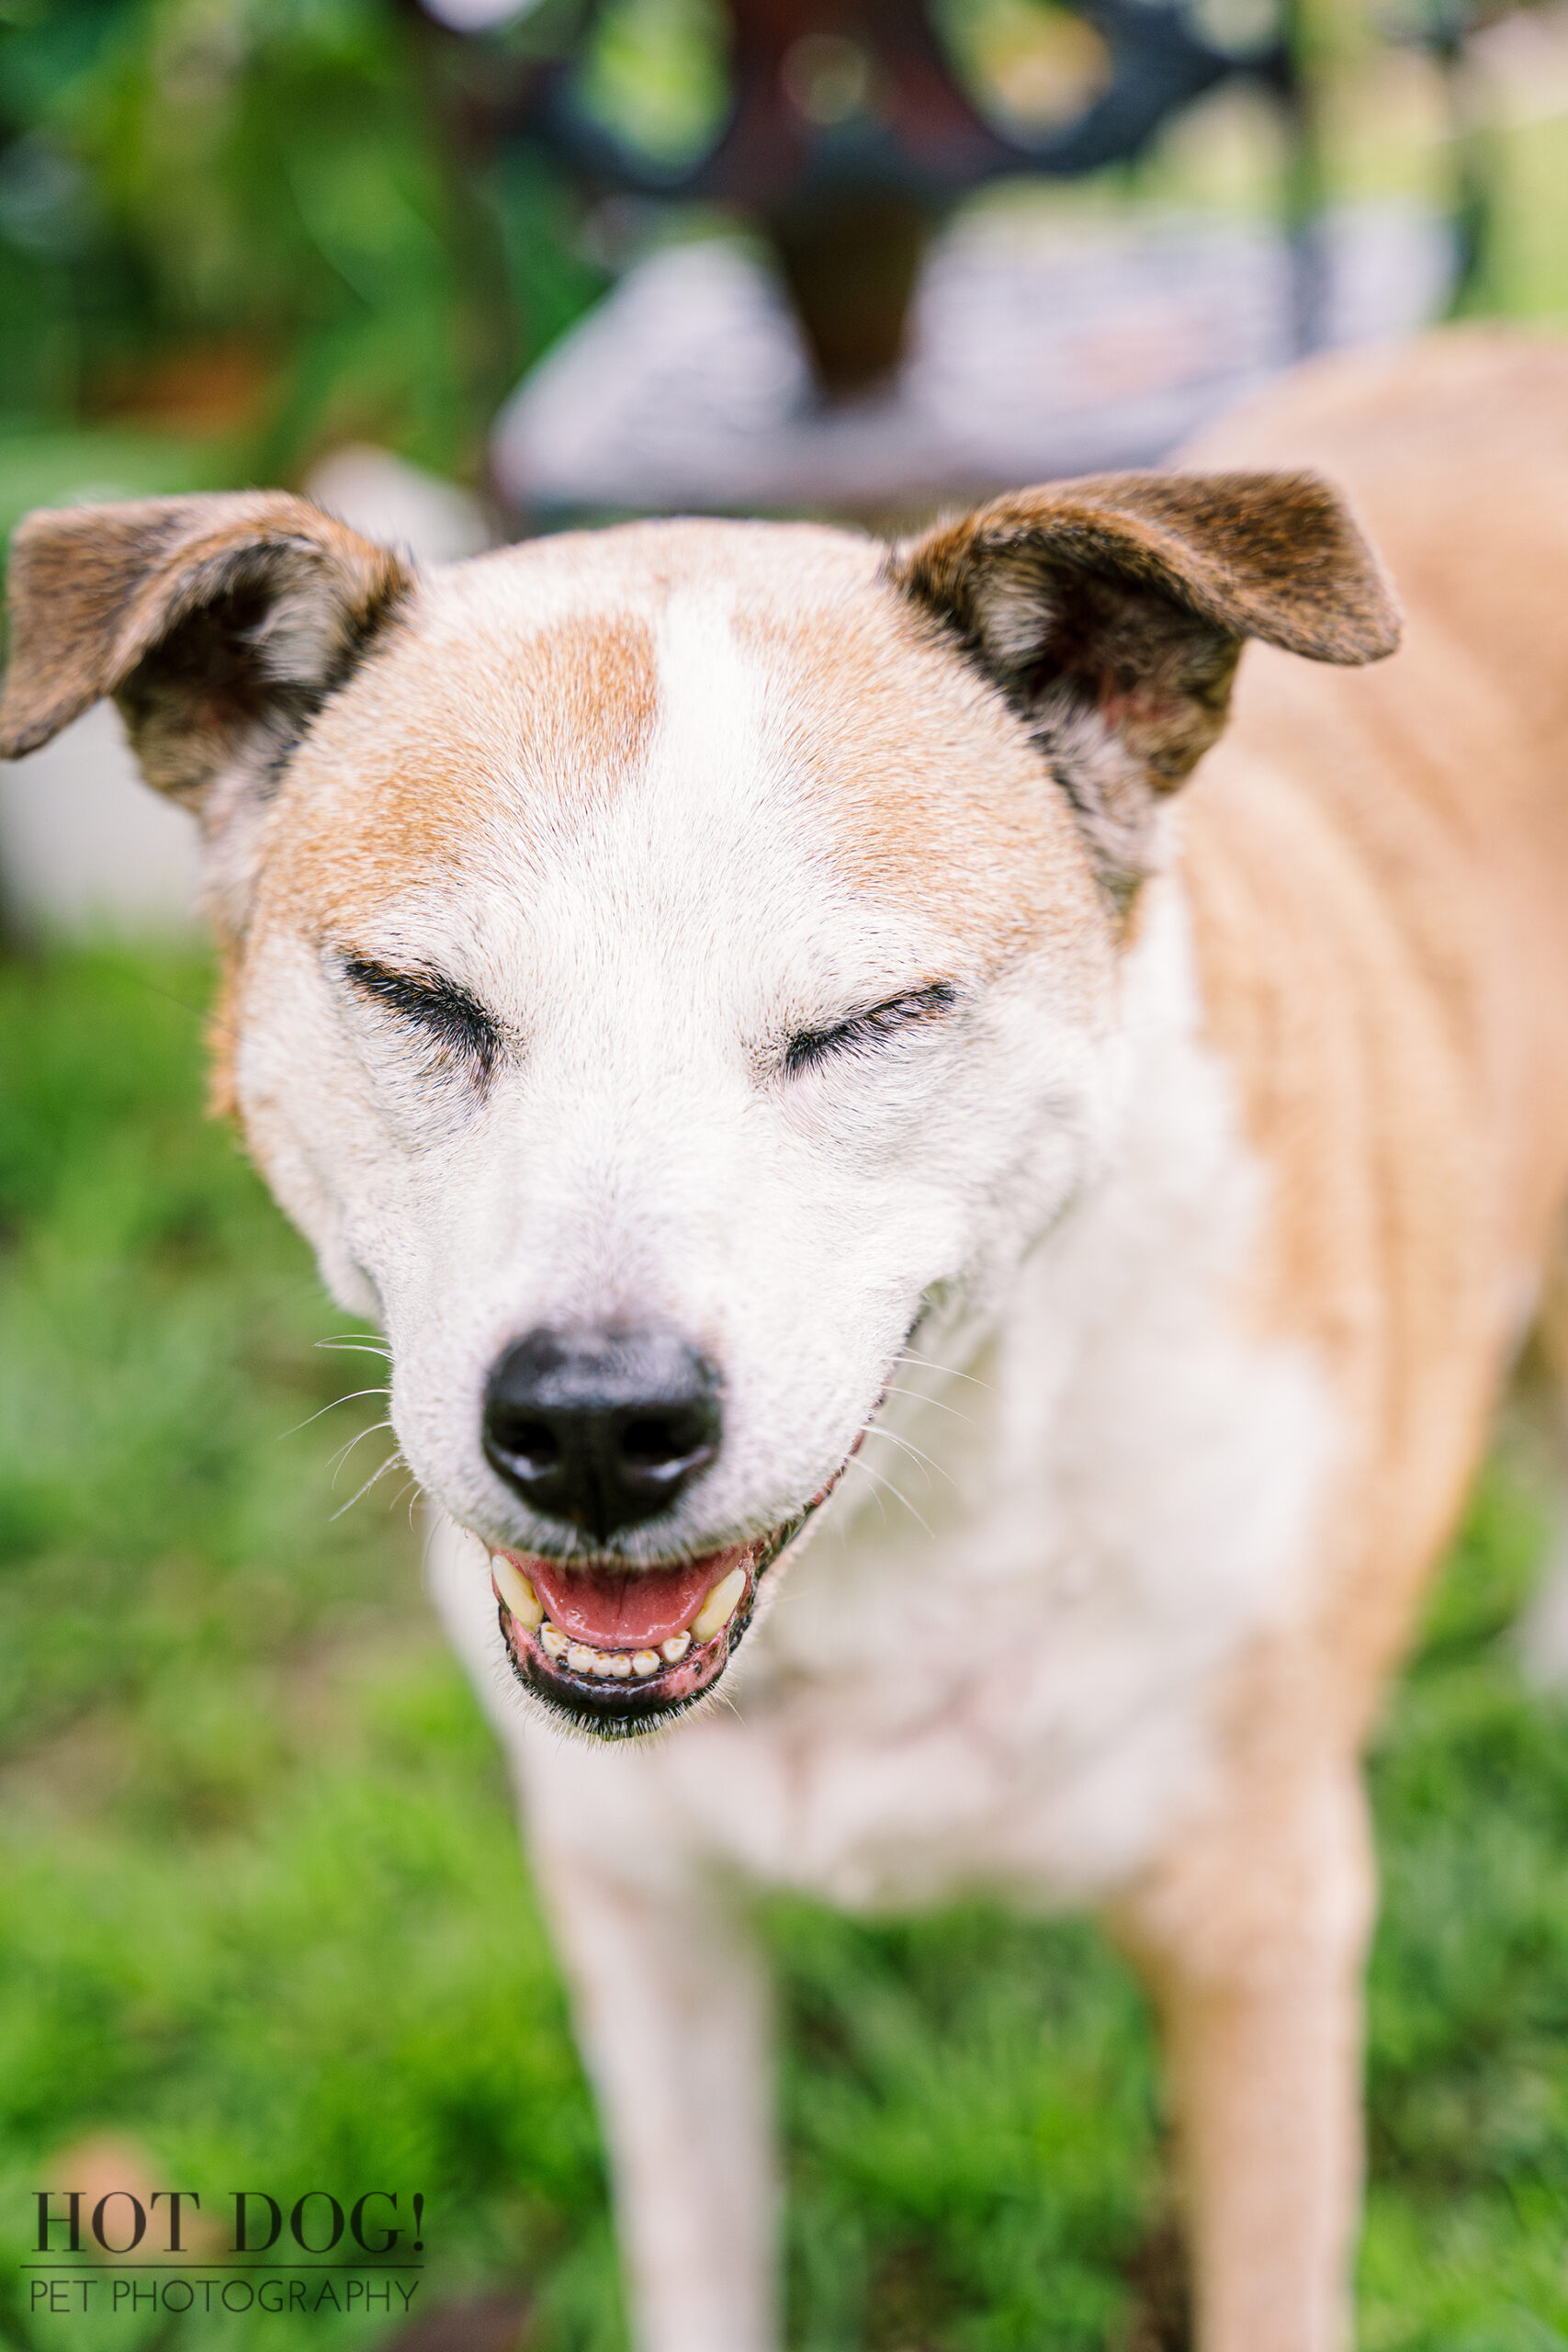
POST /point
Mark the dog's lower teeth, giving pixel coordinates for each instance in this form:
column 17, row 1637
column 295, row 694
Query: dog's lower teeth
column 608, row 1666
column 615, row 1666
column 720, row 1605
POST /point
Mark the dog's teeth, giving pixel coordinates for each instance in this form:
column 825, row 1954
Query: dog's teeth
column 553, row 1642
column 581, row 1658
column 675, row 1648
column 720, row 1605
column 644, row 1662
column 516, row 1591
column 611, row 1666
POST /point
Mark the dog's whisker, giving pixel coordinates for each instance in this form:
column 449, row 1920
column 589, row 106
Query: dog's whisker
column 880, row 1430
column 951, row 1372
column 348, row 1398
column 897, row 1492
column 875, row 1430
column 876, row 1484
column 340, row 1456
column 431, row 1536
column 920, row 1397
column 347, row 1447
column 395, row 1456
column 205, row 1012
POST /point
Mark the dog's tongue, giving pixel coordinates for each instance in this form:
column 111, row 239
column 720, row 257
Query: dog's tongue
column 631, row 1610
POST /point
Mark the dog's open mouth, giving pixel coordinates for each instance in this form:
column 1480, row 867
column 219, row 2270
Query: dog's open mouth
column 619, row 1649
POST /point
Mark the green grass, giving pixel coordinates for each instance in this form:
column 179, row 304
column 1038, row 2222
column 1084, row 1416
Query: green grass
column 263, row 1916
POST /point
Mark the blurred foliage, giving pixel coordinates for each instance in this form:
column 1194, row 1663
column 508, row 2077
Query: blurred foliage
column 654, row 75
column 263, row 1915
column 242, row 219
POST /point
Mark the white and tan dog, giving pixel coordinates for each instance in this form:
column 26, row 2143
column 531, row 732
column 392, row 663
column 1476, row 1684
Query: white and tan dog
column 695, row 982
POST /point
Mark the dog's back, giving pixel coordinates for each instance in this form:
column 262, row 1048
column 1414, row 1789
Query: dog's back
column 1379, row 868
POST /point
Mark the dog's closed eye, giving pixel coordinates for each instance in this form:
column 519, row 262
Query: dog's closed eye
column 448, row 1015
column 863, row 1031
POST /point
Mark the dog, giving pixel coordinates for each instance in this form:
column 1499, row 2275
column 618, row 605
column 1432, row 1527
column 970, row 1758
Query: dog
column 895, row 1206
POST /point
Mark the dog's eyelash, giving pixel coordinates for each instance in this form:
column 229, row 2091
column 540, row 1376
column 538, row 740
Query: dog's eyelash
column 447, row 1013
column 866, row 1030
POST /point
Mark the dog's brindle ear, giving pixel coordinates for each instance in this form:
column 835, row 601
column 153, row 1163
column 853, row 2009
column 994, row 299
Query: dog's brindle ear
column 219, row 624
column 1111, row 612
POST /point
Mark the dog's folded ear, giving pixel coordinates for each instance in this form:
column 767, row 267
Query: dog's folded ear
column 219, row 623
column 1111, row 612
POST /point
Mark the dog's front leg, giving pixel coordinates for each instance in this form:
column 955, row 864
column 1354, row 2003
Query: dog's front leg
column 671, row 2010
column 1253, row 1936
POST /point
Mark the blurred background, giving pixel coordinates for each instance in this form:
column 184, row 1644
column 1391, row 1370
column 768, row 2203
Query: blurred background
column 464, row 273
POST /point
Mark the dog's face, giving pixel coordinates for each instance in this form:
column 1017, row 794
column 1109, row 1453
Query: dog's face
column 664, row 965
column 665, row 971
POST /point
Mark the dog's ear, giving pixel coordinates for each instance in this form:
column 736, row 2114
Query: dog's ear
column 1111, row 612
column 219, row 624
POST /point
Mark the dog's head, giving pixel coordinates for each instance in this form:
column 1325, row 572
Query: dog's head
column 662, row 963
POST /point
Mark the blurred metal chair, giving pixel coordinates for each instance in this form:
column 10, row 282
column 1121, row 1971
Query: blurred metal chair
column 849, row 136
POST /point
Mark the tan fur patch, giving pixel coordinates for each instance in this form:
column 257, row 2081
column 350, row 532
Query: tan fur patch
column 404, row 788
column 591, row 687
column 222, row 1040
column 930, row 795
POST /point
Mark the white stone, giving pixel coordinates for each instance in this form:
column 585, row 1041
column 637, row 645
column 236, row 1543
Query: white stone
column 85, row 846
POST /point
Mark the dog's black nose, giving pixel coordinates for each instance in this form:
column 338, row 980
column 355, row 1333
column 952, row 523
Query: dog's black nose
column 601, row 1429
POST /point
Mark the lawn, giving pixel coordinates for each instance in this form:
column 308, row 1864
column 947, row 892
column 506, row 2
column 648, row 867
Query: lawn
column 263, row 1923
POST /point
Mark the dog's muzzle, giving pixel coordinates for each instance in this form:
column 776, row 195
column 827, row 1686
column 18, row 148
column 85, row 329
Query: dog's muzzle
column 600, row 1429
